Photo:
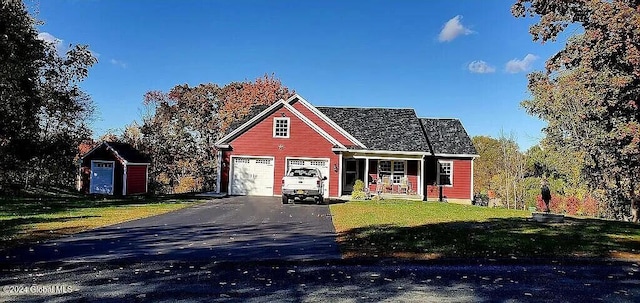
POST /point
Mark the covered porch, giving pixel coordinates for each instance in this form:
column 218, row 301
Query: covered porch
column 387, row 174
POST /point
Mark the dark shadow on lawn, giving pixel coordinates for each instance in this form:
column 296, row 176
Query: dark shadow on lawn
column 12, row 234
column 22, row 211
column 496, row 238
column 25, row 206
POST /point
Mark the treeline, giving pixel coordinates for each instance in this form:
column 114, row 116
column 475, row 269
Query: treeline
column 513, row 178
column 589, row 94
column 44, row 115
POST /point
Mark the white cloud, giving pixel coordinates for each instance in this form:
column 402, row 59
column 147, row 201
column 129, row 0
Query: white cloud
column 57, row 43
column 51, row 40
column 452, row 29
column 481, row 67
column 118, row 63
column 516, row 66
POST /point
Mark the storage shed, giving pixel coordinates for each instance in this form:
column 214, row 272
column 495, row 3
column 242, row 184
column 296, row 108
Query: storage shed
column 113, row 168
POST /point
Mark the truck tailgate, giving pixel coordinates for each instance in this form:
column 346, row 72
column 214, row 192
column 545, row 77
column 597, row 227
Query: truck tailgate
column 300, row 183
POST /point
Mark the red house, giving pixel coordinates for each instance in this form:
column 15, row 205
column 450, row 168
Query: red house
column 113, row 168
column 390, row 149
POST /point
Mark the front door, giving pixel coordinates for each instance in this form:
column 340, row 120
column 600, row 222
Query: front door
column 350, row 174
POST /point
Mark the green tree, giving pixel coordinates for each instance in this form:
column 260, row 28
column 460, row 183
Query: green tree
column 488, row 164
column 21, row 55
column 44, row 115
column 590, row 91
column 500, row 168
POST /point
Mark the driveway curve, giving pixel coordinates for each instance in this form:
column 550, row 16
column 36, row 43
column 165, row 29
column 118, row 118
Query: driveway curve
column 228, row 229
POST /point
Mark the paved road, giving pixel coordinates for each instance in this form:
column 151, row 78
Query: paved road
column 229, row 229
column 326, row 281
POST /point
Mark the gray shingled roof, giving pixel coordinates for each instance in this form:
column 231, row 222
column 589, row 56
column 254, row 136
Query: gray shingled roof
column 128, row 152
column 393, row 129
column 124, row 150
column 381, row 128
column 254, row 111
column 448, row 136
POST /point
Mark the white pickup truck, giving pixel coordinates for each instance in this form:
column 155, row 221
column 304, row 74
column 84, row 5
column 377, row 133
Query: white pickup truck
column 303, row 182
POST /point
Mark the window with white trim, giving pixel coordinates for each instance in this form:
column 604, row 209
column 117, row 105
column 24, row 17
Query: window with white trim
column 240, row 160
column 281, row 127
column 395, row 169
column 445, row 173
column 296, row 162
column 263, row 161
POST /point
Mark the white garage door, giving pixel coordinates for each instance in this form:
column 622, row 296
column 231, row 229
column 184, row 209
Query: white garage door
column 321, row 164
column 252, row 176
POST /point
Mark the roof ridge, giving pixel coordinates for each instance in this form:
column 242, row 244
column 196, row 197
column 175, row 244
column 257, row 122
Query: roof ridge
column 365, row 107
column 438, row 118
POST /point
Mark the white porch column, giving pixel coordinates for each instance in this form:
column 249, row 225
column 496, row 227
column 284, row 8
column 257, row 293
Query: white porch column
column 340, row 174
column 366, row 172
column 219, row 176
column 472, row 179
column 124, row 180
column 421, row 178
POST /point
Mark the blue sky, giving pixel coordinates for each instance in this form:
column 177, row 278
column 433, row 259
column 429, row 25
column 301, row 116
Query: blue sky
column 463, row 59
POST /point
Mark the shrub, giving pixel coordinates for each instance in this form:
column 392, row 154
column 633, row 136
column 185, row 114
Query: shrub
column 589, row 206
column 572, row 205
column 186, row 185
column 358, row 191
column 358, row 195
column 557, row 204
column 540, row 204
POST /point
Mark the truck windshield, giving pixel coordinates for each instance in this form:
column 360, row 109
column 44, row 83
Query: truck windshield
column 302, row 172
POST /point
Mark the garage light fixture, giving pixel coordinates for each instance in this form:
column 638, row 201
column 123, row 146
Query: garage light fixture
column 335, row 168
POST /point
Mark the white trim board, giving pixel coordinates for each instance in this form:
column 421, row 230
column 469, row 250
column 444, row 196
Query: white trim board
column 388, row 152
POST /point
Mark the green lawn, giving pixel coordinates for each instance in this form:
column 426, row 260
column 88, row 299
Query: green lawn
column 432, row 230
column 36, row 218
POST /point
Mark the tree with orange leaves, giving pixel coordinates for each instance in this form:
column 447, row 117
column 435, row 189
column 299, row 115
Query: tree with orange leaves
column 181, row 126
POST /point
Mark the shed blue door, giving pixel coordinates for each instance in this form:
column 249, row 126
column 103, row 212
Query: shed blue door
column 101, row 178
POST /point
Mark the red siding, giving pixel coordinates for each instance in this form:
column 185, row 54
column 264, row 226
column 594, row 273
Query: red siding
column 461, row 188
column 136, row 179
column 323, row 125
column 302, row 142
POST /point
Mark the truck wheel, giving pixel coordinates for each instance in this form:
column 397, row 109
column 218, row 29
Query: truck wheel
column 285, row 199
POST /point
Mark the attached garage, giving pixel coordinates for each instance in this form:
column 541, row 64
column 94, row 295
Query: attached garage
column 113, row 168
column 319, row 163
column 252, row 176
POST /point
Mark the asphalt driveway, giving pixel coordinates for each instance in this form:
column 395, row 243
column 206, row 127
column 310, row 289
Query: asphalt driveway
column 229, row 229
